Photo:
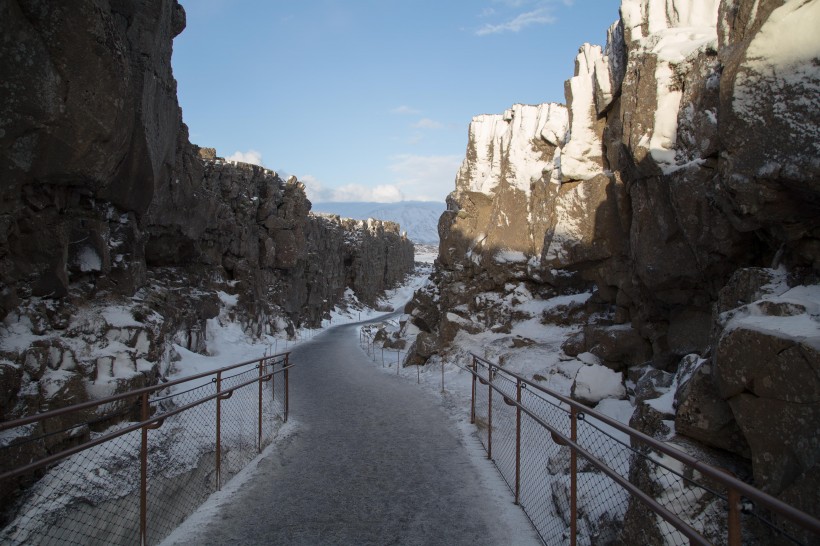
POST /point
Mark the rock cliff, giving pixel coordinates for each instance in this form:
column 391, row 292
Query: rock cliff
column 119, row 238
column 679, row 186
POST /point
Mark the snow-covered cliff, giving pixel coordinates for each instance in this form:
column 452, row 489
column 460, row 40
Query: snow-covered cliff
column 679, row 186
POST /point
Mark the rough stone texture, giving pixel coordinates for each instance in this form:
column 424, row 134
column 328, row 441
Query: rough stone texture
column 690, row 166
column 89, row 129
column 703, row 415
column 770, row 184
column 105, row 204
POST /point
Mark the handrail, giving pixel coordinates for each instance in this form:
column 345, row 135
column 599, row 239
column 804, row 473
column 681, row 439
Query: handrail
column 130, row 428
column 34, row 525
column 600, row 465
column 790, row 512
column 656, row 507
column 136, row 392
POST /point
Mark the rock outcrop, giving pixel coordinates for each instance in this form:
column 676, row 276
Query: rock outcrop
column 678, row 182
column 119, row 238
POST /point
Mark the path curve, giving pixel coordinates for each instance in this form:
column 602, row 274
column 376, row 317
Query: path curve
column 373, row 460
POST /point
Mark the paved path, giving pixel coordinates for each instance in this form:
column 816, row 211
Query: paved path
column 373, row 460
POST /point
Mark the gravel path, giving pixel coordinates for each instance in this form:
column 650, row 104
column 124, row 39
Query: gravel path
column 372, row 460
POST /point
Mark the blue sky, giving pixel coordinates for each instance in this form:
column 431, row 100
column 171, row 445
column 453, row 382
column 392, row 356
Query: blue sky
column 370, row 100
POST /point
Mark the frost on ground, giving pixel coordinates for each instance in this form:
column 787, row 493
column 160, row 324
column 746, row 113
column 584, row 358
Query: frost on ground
column 523, row 333
column 100, row 485
column 532, row 348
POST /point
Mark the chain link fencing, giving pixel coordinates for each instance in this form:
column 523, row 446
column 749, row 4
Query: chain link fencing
column 583, row 478
column 130, row 468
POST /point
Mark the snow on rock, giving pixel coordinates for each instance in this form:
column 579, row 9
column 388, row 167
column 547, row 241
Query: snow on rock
column 609, row 69
column 582, row 156
column 793, row 315
column 503, row 147
column 779, row 80
column 673, row 31
column 596, row 382
column 509, row 256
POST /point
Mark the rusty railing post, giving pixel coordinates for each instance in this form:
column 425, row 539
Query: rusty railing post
column 490, row 412
column 573, row 487
column 219, row 430
column 287, row 401
column 259, row 430
column 472, row 393
column 518, row 441
column 442, row 377
column 734, row 517
column 144, row 472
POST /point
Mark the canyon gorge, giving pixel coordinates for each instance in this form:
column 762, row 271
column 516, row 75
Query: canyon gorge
column 670, row 210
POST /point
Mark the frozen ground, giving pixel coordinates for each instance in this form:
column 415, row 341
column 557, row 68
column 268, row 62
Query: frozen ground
column 364, row 459
column 371, row 460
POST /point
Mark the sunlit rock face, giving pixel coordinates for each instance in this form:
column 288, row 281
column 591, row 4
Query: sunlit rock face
column 495, row 214
column 686, row 156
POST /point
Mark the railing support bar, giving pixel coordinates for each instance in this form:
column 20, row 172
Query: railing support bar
column 734, row 518
column 490, row 413
column 472, row 394
column 573, row 484
column 287, row 389
column 219, row 431
column 144, row 472
column 259, row 421
column 518, row 442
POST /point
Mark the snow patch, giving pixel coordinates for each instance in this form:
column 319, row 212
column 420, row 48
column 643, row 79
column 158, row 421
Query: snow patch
column 596, row 382
column 783, row 57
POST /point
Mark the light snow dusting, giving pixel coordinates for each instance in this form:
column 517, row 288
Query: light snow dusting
column 677, row 30
column 504, row 147
column 783, row 59
column 581, row 156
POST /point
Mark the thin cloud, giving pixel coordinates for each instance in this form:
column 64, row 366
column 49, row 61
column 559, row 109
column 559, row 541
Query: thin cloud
column 405, row 110
column 415, row 177
column 318, row 193
column 538, row 16
column 251, row 156
column 427, row 123
column 425, row 177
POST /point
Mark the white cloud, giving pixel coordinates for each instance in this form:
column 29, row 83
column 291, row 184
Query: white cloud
column 538, row 16
column 425, row 177
column 416, row 177
column 512, row 3
column 251, row 156
column 318, row 193
column 405, row 110
column 427, row 123
column 515, row 15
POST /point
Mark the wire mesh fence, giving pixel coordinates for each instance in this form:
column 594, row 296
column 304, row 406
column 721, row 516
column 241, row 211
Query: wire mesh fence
column 73, row 477
column 583, row 478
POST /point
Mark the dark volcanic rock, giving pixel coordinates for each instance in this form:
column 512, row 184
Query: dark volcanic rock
column 118, row 237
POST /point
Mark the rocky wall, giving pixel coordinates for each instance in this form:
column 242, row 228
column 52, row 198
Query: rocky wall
column 119, row 238
column 685, row 155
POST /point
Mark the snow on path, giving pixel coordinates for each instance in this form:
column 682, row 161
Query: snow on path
column 371, row 460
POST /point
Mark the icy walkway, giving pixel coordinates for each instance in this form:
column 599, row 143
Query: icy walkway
column 372, row 460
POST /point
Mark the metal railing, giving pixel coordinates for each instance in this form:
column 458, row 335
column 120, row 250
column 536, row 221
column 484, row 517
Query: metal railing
column 129, row 468
column 585, row 478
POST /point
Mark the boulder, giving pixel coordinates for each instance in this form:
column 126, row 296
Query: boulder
column 702, row 414
column 594, row 383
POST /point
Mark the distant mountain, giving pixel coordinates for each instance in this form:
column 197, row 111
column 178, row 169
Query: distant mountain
column 418, row 218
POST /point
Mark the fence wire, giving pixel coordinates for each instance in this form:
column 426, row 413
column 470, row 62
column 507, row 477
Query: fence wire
column 606, row 513
column 94, row 496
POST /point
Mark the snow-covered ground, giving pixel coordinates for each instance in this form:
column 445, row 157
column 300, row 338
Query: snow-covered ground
column 107, row 475
column 532, row 348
